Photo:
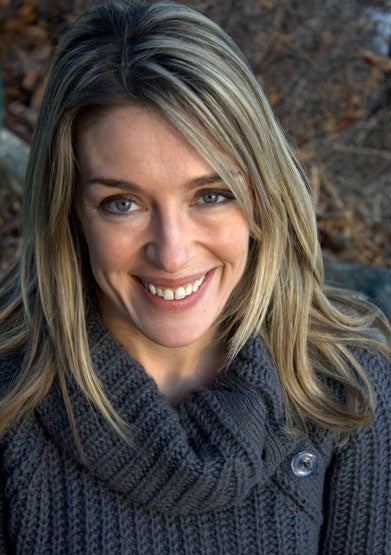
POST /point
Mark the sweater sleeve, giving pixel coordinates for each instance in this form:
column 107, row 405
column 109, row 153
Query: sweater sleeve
column 357, row 512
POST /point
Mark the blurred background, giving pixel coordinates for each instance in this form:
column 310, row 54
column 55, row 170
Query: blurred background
column 325, row 66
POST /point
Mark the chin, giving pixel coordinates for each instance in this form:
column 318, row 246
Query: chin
column 178, row 338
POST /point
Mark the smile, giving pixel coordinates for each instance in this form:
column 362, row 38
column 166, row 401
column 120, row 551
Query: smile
column 169, row 294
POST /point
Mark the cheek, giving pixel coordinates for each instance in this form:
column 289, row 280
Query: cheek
column 106, row 252
column 234, row 241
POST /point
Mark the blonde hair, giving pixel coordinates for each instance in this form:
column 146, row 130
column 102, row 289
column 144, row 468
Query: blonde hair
column 175, row 60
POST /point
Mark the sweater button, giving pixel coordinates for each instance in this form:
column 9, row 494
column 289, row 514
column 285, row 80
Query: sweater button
column 304, row 464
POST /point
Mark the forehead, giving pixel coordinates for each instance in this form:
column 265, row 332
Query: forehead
column 131, row 123
column 131, row 141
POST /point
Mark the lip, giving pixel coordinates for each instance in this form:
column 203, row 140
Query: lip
column 176, row 304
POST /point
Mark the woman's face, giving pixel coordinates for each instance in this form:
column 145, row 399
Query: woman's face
column 167, row 240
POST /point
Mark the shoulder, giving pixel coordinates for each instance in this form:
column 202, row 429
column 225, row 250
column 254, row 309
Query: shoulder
column 366, row 455
column 358, row 474
column 378, row 370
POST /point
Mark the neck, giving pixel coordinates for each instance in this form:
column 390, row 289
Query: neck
column 177, row 371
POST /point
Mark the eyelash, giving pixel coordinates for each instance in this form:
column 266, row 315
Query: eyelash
column 104, row 205
column 219, row 192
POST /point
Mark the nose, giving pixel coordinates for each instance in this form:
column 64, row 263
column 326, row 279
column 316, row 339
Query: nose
column 170, row 245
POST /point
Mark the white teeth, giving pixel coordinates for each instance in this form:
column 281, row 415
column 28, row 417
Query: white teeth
column 170, row 294
column 189, row 290
column 180, row 293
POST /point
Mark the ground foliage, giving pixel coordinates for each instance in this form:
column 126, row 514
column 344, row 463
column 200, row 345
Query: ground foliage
column 328, row 83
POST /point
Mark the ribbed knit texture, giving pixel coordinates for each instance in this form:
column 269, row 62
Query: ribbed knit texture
column 210, row 476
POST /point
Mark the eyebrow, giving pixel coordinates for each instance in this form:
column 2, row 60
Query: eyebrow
column 209, row 179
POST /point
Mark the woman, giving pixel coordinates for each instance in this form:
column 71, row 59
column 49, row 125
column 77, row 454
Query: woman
column 175, row 378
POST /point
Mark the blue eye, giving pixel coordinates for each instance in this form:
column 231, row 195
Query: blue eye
column 216, row 197
column 122, row 205
column 210, row 198
column 118, row 206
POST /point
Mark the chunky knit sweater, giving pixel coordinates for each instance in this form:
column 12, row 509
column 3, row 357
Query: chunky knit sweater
column 216, row 474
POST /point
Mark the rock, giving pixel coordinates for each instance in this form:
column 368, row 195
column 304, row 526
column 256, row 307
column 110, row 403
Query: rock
column 13, row 160
column 374, row 283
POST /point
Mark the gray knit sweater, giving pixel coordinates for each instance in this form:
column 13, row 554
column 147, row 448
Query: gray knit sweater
column 216, row 474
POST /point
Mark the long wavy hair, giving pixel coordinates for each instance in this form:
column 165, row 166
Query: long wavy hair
column 173, row 59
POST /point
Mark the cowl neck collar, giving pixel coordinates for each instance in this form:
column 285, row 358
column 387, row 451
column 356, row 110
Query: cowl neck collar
column 207, row 452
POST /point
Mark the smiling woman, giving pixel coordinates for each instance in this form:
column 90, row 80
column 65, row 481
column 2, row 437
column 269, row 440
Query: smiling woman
column 166, row 247
column 174, row 376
